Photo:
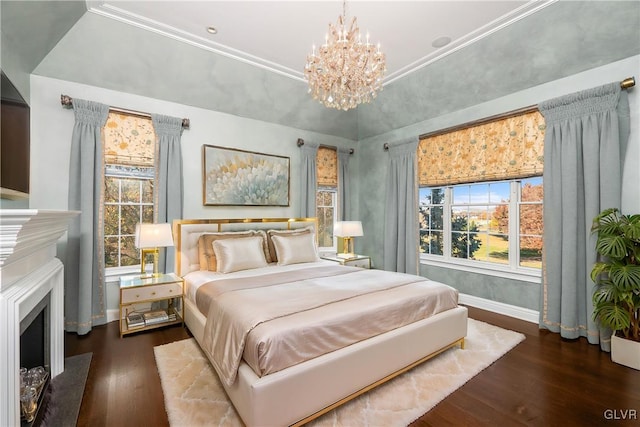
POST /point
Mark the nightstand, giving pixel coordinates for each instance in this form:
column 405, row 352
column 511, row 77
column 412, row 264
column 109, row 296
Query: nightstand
column 361, row 261
column 137, row 290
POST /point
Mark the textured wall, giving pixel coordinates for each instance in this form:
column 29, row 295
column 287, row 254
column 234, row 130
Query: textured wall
column 107, row 53
column 373, row 179
column 560, row 40
column 559, row 50
column 52, row 126
column 29, row 31
column 507, row 291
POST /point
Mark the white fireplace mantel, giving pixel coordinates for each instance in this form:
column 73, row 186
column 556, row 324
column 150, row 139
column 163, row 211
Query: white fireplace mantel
column 29, row 271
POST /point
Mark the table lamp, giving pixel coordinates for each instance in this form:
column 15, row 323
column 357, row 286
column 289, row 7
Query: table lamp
column 348, row 230
column 150, row 237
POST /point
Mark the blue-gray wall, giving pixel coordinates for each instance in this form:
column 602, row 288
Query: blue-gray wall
column 373, row 179
column 49, row 48
column 558, row 41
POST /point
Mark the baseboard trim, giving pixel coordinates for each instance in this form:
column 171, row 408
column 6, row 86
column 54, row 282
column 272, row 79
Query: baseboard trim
column 112, row 315
column 521, row 313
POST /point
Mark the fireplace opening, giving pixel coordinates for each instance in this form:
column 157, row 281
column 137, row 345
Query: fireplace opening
column 35, row 337
column 35, row 342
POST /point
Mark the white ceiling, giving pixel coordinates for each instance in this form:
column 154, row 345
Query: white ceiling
column 278, row 35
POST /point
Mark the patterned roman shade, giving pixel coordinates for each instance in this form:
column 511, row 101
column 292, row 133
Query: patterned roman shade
column 327, row 167
column 506, row 148
column 129, row 140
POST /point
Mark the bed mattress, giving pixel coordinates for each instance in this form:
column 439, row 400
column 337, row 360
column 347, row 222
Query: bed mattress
column 364, row 303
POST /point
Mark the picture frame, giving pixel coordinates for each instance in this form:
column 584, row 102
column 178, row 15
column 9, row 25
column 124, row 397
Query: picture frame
column 233, row 177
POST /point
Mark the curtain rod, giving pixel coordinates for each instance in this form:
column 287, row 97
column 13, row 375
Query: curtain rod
column 67, row 101
column 300, row 143
column 627, row 83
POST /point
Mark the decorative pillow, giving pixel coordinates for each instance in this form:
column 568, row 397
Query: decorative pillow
column 295, row 248
column 206, row 254
column 242, row 253
column 273, row 256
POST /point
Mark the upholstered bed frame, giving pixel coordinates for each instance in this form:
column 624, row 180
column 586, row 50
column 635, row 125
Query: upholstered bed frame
column 305, row 391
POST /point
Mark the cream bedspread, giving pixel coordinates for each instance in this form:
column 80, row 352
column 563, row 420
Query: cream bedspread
column 281, row 319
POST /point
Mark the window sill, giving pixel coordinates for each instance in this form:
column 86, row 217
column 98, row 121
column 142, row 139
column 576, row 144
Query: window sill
column 529, row 275
column 113, row 274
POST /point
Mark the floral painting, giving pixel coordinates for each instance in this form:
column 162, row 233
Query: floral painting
column 244, row 178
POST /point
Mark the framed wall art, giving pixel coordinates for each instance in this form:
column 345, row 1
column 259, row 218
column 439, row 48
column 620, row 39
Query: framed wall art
column 234, row 177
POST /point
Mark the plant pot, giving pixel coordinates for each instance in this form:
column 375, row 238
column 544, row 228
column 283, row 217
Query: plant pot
column 625, row 352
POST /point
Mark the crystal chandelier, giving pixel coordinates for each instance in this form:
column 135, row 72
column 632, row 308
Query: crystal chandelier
column 345, row 72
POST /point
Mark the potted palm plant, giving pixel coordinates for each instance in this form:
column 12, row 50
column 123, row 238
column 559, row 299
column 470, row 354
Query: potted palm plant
column 616, row 298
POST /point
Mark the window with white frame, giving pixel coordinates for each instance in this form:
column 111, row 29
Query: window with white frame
column 480, row 201
column 326, row 197
column 129, row 174
column 495, row 223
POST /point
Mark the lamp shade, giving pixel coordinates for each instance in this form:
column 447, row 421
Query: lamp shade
column 153, row 235
column 348, row 229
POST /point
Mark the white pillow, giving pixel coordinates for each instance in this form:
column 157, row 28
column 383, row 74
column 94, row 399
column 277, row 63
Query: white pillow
column 295, row 249
column 242, row 253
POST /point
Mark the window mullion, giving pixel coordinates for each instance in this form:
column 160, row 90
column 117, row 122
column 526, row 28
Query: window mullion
column 334, row 203
column 446, row 222
column 514, row 224
column 119, row 222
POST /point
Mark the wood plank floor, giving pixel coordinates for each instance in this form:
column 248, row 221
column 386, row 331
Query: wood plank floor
column 544, row 381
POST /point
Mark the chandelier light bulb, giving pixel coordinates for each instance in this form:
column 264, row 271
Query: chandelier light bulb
column 345, row 72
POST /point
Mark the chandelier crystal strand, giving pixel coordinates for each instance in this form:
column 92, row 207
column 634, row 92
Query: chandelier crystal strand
column 345, row 72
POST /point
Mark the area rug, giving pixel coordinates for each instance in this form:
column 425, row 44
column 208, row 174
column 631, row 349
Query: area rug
column 194, row 396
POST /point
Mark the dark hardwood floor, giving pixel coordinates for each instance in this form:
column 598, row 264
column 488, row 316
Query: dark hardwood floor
column 544, row 381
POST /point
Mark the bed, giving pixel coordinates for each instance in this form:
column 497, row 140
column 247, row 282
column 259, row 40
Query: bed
column 311, row 353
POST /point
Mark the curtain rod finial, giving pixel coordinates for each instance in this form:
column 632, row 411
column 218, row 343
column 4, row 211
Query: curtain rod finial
column 628, row 82
column 300, row 142
column 66, row 100
column 386, row 146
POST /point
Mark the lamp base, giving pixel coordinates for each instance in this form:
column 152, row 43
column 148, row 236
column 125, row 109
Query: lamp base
column 143, row 259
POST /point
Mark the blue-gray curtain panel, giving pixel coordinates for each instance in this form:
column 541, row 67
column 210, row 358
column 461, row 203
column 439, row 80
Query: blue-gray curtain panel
column 584, row 147
column 401, row 209
column 308, row 179
column 84, row 294
column 344, row 184
column 169, row 193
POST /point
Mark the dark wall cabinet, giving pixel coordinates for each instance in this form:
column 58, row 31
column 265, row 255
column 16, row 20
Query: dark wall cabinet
column 14, row 142
column 14, row 156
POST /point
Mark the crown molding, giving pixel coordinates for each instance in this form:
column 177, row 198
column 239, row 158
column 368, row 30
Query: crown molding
column 473, row 37
column 114, row 12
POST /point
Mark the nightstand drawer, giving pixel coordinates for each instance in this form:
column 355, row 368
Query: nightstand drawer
column 362, row 263
column 147, row 293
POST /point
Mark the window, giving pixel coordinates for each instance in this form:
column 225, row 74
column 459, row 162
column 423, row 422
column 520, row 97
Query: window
column 480, row 202
column 496, row 223
column 326, row 196
column 326, row 214
column 129, row 151
column 128, row 200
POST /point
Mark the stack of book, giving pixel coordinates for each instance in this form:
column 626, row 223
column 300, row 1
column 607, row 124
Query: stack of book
column 159, row 316
column 135, row 320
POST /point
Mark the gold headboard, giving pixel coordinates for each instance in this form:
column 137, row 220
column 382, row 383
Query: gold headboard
column 187, row 231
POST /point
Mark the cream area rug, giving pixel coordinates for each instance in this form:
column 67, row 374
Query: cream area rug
column 194, row 396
